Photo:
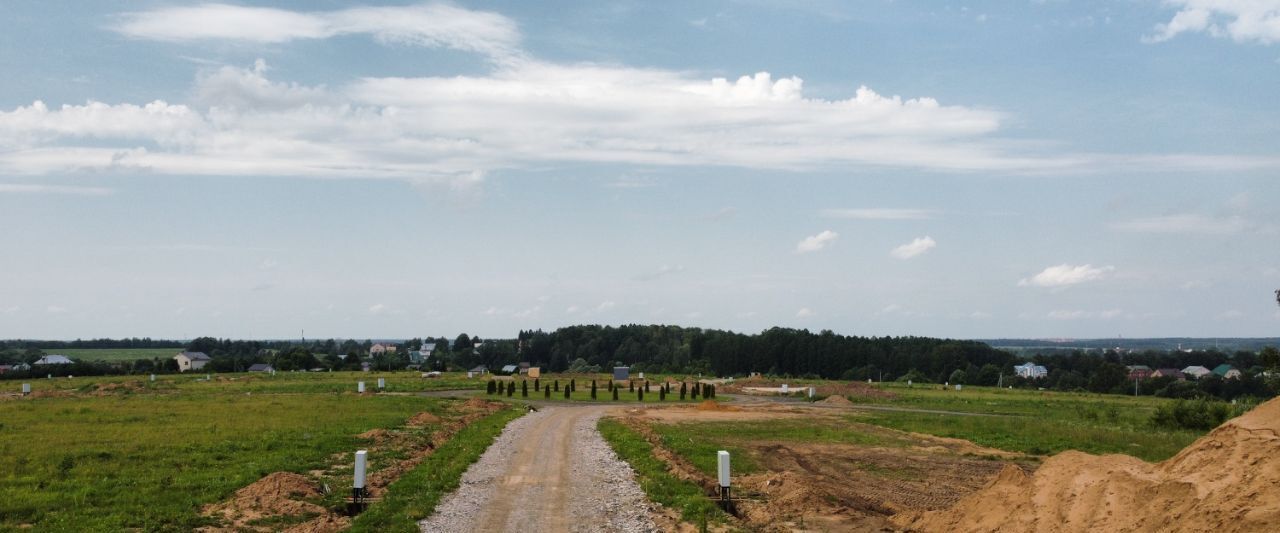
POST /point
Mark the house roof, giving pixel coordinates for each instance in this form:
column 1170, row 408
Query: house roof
column 260, row 367
column 509, row 368
column 1138, row 367
column 480, row 368
column 1195, row 369
column 428, row 346
column 1223, row 368
column 195, row 356
column 1169, row 372
column 54, row 359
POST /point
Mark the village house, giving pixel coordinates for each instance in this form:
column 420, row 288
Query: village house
column 423, row 354
column 191, row 360
column 1139, row 371
column 1169, row 373
column 1226, row 371
column 510, row 369
column 382, row 348
column 261, row 367
column 1031, row 371
column 524, row 368
column 53, row 359
column 1196, row 372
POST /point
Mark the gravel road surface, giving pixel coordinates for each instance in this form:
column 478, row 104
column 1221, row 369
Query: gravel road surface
column 549, row 471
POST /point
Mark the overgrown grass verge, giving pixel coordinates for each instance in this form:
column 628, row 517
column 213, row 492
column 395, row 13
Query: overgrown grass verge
column 415, row 495
column 651, row 472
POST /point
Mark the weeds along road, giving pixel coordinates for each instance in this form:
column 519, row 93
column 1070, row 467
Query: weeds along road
column 549, row 471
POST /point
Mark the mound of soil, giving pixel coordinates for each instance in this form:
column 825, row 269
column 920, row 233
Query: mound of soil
column 712, row 405
column 277, row 494
column 1228, row 480
column 836, row 400
column 422, row 419
column 377, row 435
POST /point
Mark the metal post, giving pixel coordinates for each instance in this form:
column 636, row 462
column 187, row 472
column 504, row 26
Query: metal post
column 26, row 389
column 360, row 387
column 382, row 383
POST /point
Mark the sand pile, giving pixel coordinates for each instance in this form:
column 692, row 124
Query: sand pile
column 836, row 400
column 277, row 494
column 1228, row 480
column 712, row 405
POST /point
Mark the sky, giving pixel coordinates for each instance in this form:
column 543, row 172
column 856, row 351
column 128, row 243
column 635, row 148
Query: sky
column 1029, row 169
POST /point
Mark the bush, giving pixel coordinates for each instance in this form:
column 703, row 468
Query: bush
column 1194, row 414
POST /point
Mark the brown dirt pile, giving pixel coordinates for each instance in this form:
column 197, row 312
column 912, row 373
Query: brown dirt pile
column 1228, row 480
column 712, row 405
column 423, row 419
column 836, row 400
column 277, row 494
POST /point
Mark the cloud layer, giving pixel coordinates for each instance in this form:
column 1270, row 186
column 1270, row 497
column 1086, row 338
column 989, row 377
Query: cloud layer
column 434, row 25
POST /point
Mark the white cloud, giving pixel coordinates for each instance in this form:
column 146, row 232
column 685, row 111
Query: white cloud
column 377, row 308
column 10, row 310
column 521, row 113
column 1079, row 315
column 605, row 306
column 1230, row 314
column 1192, row 224
column 979, row 315
column 432, row 25
column 816, row 242
column 572, row 309
column 55, row 309
column 804, row 312
column 1242, row 21
column 878, row 213
column 916, row 247
column 1065, row 275
column 25, row 188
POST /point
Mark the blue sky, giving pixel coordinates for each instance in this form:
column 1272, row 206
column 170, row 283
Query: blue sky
column 981, row 169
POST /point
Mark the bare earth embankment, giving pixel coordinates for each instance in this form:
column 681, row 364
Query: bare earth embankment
column 1228, row 480
column 549, row 471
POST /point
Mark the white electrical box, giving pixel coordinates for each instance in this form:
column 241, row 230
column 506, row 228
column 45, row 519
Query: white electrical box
column 722, row 458
column 361, row 457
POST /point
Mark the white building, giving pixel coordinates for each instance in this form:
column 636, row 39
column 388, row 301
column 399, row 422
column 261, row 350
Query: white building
column 191, row 361
column 53, row 360
column 1196, row 372
column 1031, row 371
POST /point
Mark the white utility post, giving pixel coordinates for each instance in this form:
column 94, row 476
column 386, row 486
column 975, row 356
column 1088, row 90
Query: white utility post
column 26, row 389
column 153, row 377
column 722, row 462
column 785, row 389
column 382, row 383
column 360, row 387
column 811, row 392
column 358, row 491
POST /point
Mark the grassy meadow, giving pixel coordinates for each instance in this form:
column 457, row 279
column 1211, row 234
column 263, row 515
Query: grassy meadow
column 118, row 453
column 1026, row 421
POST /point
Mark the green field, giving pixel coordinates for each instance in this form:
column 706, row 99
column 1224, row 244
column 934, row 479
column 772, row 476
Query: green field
column 116, row 354
column 116, row 453
column 1032, row 422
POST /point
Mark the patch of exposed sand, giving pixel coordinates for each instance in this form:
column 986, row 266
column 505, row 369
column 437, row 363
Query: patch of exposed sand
column 1228, row 480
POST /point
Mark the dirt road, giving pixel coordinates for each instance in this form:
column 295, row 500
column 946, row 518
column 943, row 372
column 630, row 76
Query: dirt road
column 549, row 471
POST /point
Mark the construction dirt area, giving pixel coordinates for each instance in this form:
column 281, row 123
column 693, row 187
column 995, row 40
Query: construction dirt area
column 821, row 486
column 1228, row 480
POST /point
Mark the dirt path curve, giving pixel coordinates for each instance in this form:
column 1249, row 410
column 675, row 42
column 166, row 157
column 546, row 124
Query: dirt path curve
column 549, row 471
